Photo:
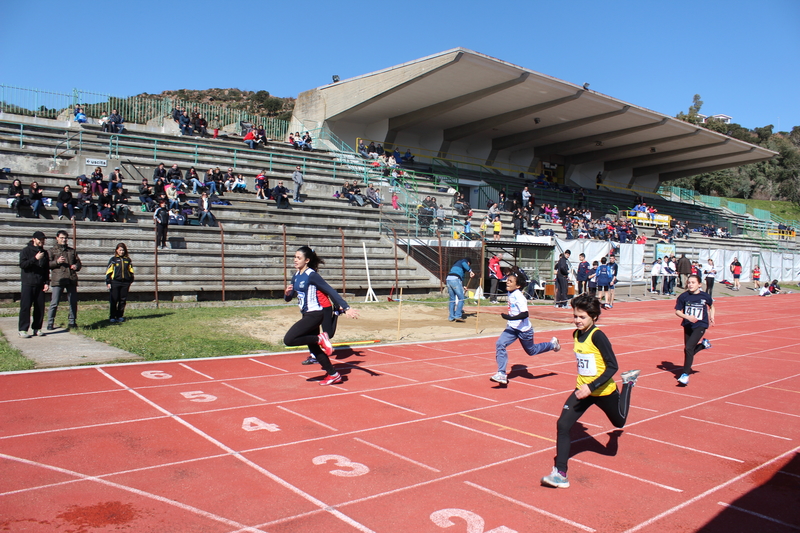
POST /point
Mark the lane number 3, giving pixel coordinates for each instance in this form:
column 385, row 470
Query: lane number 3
column 356, row 469
column 475, row 523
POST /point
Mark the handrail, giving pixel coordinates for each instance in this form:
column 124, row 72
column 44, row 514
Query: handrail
column 56, row 153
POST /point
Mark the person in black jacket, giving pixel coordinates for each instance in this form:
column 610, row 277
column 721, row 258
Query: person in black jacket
column 34, row 264
column 16, row 195
column 160, row 172
column 562, row 274
column 119, row 276
column 65, row 200
column 161, row 216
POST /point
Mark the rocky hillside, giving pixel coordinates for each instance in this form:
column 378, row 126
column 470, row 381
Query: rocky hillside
column 256, row 102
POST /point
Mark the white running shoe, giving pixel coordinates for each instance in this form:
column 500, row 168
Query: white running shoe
column 630, row 376
column 706, row 344
column 500, row 378
column 555, row 343
column 684, row 379
column 555, row 479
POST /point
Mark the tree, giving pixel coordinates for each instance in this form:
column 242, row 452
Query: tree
column 694, row 111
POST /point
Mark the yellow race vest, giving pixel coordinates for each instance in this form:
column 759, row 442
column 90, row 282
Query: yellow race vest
column 591, row 365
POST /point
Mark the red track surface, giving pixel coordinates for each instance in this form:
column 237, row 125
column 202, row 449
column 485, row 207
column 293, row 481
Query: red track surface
column 416, row 438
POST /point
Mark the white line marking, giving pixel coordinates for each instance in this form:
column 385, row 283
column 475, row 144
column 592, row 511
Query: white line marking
column 710, row 491
column 308, row 497
column 734, row 427
column 788, row 473
column 282, row 408
column 531, row 507
column 439, row 349
column 673, row 489
column 243, row 392
column 450, row 367
column 83, row 427
column 762, row 409
column 403, row 457
column 391, row 354
column 138, row 492
column 554, row 416
column 393, row 405
column 670, row 391
column 187, row 367
column 59, row 395
column 464, row 393
column 487, row 434
column 643, row 408
column 686, row 447
column 759, row 515
column 265, row 364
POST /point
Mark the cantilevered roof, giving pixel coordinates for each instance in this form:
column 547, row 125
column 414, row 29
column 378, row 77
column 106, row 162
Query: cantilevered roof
column 468, row 98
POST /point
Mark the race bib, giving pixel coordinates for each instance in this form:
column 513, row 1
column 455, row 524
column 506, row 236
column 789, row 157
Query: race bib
column 587, row 365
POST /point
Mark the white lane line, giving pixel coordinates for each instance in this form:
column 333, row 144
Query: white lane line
column 83, row 427
column 711, row 491
column 282, row 408
column 265, row 364
column 391, row 354
column 277, row 479
column 403, row 457
column 383, row 372
column 734, row 427
column 686, row 448
column 464, row 393
column 670, row 392
column 789, row 474
column 759, row 515
column 762, row 409
column 531, row 507
column 487, row 434
column 451, row 368
column 554, row 416
column 393, row 405
column 60, row 395
column 138, row 492
column 667, row 487
column 243, row 392
column 643, row 408
column 187, row 367
column 439, row 349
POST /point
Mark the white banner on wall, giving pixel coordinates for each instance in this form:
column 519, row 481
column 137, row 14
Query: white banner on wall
column 774, row 265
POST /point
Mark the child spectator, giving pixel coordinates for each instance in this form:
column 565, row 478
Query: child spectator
column 518, row 327
column 756, row 278
column 498, row 227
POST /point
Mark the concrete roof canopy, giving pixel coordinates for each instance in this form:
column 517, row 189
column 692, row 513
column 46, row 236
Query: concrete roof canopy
column 462, row 104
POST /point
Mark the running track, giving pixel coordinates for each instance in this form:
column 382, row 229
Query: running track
column 417, row 439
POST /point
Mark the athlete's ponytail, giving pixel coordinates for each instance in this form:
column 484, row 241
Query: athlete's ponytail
column 313, row 259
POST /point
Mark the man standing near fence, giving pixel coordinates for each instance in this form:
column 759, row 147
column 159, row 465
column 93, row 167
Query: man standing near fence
column 297, row 178
column 455, row 288
column 35, row 273
column 161, row 217
column 64, row 267
column 562, row 277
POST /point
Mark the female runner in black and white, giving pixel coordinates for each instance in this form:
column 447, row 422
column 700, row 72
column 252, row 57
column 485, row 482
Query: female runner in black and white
column 313, row 293
column 696, row 308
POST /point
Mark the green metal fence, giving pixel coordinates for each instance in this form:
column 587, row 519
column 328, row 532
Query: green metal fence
column 146, row 109
column 736, row 207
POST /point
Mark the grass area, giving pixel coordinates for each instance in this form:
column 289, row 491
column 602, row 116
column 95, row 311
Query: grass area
column 787, row 210
column 11, row 358
column 157, row 334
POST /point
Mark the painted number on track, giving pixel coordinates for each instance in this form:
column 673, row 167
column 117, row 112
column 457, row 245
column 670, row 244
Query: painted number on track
column 252, row 423
column 356, row 469
column 156, row 374
column 198, row 396
column 475, row 523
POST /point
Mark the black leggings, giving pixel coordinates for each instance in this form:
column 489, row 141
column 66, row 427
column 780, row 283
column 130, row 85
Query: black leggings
column 614, row 405
column 691, row 338
column 709, row 285
column 117, row 297
column 305, row 332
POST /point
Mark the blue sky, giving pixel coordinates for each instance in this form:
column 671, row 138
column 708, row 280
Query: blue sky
column 740, row 56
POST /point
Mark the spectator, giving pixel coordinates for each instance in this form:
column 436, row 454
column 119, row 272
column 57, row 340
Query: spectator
column 176, row 114
column 201, row 126
column 362, row 149
column 736, row 270
column 115, row 179
column 105, row 206
column 774, row 288
column 160, row 172
column 35, row 196
column 219, row 179
column 86, row 204
column 175, row 176
column 119, row 201
column 495, row 277
column 64, row 266
column 408, row 157
column 251, row 139
column 372, row 196
column 455, row 288
column 159, row 189
column 261, row 184
column 96, row 180
column 281, row 196
column 191, row 178
column 684, row 270
column 119, row 276
column 65, row 201
column 655, row 275
column 297, row 178
column 582, row 274
column 172, row 197
column 103, row 121
column 185, row 124
column 209, row 182
column 306, row 144
column 35, row 266
column 161, row 217
column 498, row 227
column 216, row 125
column 114, row 122
column 80, row 116
column 146, row 195
column 240, row 185
column 395, row 199
column 372, row 151
column 230, row 181
column 204, row 210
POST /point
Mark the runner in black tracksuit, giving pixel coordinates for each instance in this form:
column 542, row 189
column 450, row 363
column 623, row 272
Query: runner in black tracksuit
column 119, row 276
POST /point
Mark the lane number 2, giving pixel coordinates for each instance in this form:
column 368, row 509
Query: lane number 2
column 356, row 469
column 475, row 523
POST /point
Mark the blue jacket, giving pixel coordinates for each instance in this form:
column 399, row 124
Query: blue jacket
column 460, row 269
column 583, row 271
